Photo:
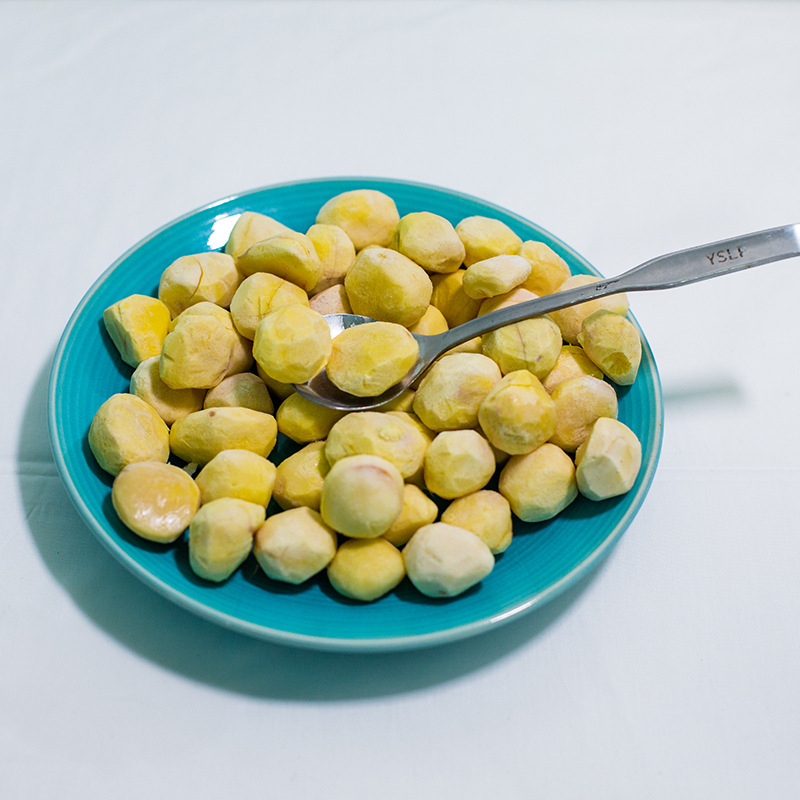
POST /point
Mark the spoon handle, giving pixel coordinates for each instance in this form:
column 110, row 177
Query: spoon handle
column 664, row 272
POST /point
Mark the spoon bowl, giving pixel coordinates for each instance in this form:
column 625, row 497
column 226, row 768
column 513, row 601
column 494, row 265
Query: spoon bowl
column 321, row 390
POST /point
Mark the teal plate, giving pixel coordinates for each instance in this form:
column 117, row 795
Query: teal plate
column 542, row 561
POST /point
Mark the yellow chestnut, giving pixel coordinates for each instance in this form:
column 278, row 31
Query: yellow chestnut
column 494, row 276
column 125, row 430
column 548, row 269
column 458, row 463
column 571, row 363
column 518, row 415
column 304, row 421
column 336, row 254
column 579, row 401
column 430, row 241
column 539, row 484
column 444, row 560
column 378, row 433
column 608, row 460
column 221, row 537
column 202, row 277
column 294, row 545
column 487, row 514
column 484, row 237
column 366, row 569
column 612, row 342
column 362, row 496
column 290, row 256
column 368, row 359
column 449, row 297
column 299, row 477
column 418, row 510
column 367, row 216
column 387, row 286
column 170, row 404
column 252, row 227
column 292, row 344
column 237, row 473
column 532, row 344
column 198, row 437
column 257, row 296
column 155, row 500
column 137, row 325
column 451, row 392
column 243, row 390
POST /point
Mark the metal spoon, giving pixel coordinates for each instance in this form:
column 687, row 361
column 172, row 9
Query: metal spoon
column 674, row 269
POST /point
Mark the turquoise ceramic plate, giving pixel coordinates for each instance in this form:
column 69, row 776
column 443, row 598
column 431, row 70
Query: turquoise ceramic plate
column 542, row 561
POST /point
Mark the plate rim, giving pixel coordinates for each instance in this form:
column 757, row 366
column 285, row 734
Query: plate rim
column 339, row 644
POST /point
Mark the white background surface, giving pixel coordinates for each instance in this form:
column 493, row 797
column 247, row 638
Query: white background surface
column 628, row 130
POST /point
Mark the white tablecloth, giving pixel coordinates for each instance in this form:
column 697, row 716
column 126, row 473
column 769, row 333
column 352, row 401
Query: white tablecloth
column 628, row 130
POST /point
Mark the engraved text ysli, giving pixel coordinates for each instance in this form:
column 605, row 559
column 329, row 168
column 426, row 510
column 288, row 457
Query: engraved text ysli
column 729, row 254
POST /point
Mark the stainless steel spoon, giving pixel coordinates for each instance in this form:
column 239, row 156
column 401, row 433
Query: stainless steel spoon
column 674, row 269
